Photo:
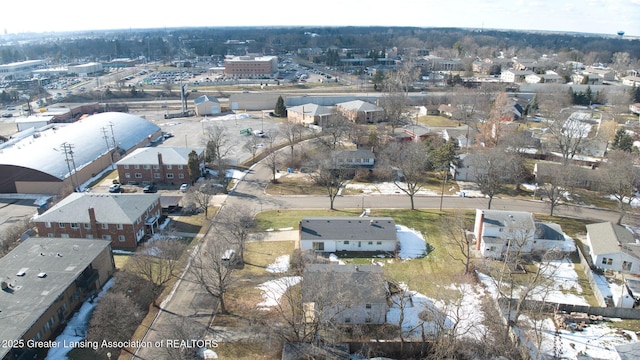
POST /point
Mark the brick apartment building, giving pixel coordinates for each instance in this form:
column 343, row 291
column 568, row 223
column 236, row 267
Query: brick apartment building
column 163, row 165
column 122, row 218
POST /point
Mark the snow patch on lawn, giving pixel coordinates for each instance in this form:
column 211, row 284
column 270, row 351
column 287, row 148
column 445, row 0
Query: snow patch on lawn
column 412, row 304
column 385, row 188
column 412, row 244
column 280, row 265
column 273, row 290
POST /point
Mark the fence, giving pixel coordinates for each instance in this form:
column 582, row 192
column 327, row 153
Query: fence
column 550, row 307
column 586, row 267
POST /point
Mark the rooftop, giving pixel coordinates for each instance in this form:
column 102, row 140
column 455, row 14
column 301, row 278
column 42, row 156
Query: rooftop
column 348, row 228
column 357, row 284
column 149, row 156
column 47, row 267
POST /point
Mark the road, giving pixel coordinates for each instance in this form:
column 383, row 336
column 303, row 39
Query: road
column 189, row 303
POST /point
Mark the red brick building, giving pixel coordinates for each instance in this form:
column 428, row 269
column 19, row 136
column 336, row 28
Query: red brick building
column 251, row 67
column 122, row 218
column 161, row 165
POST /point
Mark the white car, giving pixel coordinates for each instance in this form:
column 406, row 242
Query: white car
column 184, row 187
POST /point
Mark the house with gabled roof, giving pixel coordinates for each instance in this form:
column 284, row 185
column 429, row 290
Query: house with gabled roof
column 613, row 247
column 333, row 234
column 206, row 105
column 124, row 219
column 355, row 158
column 310, row 113
column 498, row 232
column 166, row 165
column 344, row 294
column 360, row 112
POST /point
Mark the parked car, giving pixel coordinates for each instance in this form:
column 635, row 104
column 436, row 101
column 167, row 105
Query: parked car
column 150, row 189
column 184, row 187
column 115, row 188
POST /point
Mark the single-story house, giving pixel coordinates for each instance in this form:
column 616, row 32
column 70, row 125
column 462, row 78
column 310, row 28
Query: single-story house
column 355, row 158
column 332, row 234
column 310, row 114
column 613, row 247
column 122, row 218
column 206, row 105
column 360, row 112
column 344, row 294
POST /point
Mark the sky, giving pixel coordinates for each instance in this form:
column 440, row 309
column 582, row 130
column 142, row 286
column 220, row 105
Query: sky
column 587, row 16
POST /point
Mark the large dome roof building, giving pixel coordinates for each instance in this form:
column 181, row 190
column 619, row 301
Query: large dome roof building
column 41, row 160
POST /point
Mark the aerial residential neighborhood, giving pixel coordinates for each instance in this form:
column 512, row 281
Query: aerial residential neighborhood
column 347, row 193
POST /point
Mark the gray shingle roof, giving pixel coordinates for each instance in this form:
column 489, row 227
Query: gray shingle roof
column 608, row 238
column 359, row 105
column 311, row 110
column 109, row 208
column 348, row 228
column 204, row 98
column 359, row 284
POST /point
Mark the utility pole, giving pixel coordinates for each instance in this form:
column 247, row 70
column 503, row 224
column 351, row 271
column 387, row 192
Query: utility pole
column 68, row 154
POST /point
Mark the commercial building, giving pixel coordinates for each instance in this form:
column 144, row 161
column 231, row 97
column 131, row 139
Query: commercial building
column 251, row 67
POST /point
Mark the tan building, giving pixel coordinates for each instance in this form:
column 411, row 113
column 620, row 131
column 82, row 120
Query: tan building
column 44, row 281
column 360, row 112
column 124, row 219
column 310, row 114
column 251, row 67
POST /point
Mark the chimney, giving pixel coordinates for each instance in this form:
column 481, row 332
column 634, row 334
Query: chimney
column 480, row 228
column 93, row 222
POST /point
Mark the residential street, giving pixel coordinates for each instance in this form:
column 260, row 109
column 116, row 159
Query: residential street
column 189, row 303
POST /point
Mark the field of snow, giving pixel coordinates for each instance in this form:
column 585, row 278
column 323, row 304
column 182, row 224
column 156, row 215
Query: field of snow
column 273, row 290
column 280, row 265
column 385, row 188
column 412, row 244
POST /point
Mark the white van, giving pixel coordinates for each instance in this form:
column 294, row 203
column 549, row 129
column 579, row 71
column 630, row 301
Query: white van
column 229, row 257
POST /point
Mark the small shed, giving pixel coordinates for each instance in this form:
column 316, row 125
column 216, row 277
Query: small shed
column 206, row 105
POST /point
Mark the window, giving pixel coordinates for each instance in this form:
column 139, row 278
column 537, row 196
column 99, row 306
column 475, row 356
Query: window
column 170, row 176
column 126, row 167
column 346, row 242
column 138, row 176
column 74, row 225
column 105, row 226
column 626, row 265
column 87, row 226
column 367, row 320
column 370, row 243
column 368, row 306
column 47, row 224
column 136, row 167
column 607, row 261
column 50, row 235
column 181, row 176
column 89, row 236
column 156, row 176
column 318, row 246
column 127, row 175
column 146, row 167
column 106, row 237
column 121, row 238
column 38, row 336
column 61, row 225
column 180, row 167
column 64, row 236
column 119, row 226
column 169, row 167
column 156, row 167
column 378, row 242
column 347, row 320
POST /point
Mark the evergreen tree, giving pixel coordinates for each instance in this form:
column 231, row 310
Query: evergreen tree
column 622, row 141
column 193, row 165
column 280, row 110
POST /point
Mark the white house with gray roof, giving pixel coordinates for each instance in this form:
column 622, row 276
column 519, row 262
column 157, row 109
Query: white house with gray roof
column 122, row 218
column 498, row 232
column 333, row 234
column 613, row 247
column 206, row 105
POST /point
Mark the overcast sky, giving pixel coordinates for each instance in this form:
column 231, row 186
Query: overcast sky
column 589, row 16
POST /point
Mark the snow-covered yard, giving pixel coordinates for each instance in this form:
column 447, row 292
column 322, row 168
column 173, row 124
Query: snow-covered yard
column 412, row 244
column 384, row 188
column 273, row 290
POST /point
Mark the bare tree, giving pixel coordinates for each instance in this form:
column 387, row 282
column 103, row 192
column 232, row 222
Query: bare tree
column 11, row 234
column 273, row 158
column 396, row 88
column 620, row 178
column 557, row 182
column 492, row 130
column 411, row 161
column 252, row 145
column 201, row 195
column 182, row 328
column 212, row 272
column 492, row 169
column 114, row 319
column 334, row 131
column 455, row 231
column 218, row 145
column 292, row 133
column 157, row 262
column 567, row 134
column 330, row 174
column 234, row 224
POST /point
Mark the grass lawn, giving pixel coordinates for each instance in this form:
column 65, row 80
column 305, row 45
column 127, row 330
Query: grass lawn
column 295, row 186
column 247, row 350
column 121, row 260
column 277, row 219
column 439, row 121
